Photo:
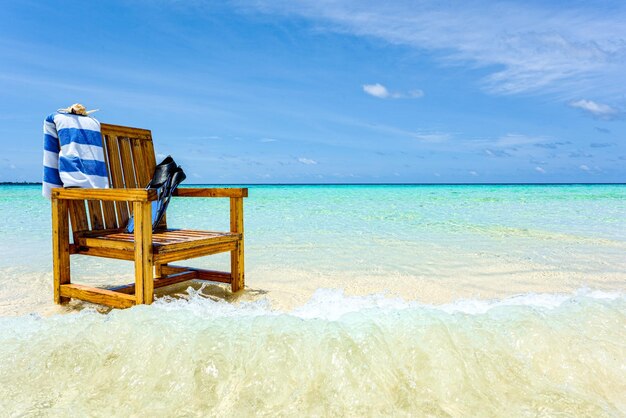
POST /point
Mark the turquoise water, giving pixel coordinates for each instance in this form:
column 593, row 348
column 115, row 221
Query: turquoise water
column 327, row 217
column 429, row 243
column 360, row 300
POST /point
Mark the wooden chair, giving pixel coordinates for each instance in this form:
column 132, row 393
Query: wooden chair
column 98, row 218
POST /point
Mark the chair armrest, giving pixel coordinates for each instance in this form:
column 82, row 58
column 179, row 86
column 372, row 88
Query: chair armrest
column 211, row 192
column 127, row 195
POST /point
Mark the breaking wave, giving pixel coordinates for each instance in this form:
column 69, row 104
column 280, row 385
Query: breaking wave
column 535, row 354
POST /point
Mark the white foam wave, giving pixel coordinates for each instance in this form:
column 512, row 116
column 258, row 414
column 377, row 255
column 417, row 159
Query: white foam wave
column 337, row 355
column 333, row 304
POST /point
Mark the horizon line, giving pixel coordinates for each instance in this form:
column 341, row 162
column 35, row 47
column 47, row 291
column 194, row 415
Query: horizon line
column 28, row 183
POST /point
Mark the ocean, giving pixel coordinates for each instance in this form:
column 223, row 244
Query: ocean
column 360, row 300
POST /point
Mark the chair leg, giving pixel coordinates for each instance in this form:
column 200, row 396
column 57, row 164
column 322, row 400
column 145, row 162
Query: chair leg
column 144, row 284
column 60, row 248
column 237, row 268
column 236, row 256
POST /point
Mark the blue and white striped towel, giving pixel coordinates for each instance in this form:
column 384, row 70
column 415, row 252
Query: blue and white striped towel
column 73, row 154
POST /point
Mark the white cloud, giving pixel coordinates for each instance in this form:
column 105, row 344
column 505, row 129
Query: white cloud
column 526, row 47
column 584, row 167
column 380, row 91
column 540, row 170
column 268, row 140
column 376, row 90
column 600, row 110
column 473, row 173
column 307, row 161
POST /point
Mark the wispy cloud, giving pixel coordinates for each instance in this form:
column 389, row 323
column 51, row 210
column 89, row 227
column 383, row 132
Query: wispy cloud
column 268, row 140
column 425, row 136
column 307, row 161
column 515, row 140
column 591, row 170
column 540, row 170
column 515, row 145
column 380, row 91
column 497, row 153
column 599, row 110
column 552, row 145
column 432, row 136
column 530, row 47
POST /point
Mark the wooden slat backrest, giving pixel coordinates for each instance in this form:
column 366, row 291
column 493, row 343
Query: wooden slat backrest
column 130, row 161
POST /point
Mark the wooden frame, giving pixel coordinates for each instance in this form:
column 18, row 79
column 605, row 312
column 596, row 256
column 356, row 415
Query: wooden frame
column 98, row 218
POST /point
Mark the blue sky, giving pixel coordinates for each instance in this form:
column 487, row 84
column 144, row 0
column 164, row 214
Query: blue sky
column 329, row 92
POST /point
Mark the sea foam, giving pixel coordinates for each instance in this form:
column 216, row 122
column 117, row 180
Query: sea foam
column 336, row 355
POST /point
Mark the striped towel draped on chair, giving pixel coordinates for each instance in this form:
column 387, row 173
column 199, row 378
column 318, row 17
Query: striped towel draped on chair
column 73, row 154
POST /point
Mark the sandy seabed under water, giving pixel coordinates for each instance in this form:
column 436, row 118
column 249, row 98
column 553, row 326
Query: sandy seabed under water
column 443, row 301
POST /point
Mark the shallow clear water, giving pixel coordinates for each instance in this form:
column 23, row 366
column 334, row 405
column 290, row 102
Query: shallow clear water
column 447, row 300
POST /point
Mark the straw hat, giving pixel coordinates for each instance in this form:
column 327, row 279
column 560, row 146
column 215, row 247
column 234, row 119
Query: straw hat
column 78, row 109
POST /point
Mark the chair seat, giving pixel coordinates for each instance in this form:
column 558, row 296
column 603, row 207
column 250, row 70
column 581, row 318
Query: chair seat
column 163, row 241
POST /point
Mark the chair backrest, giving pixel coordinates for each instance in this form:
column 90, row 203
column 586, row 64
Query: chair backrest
column 130, row 161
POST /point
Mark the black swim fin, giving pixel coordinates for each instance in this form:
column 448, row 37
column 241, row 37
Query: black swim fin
column 162, row 172
column 161, row 181
column 178, row 177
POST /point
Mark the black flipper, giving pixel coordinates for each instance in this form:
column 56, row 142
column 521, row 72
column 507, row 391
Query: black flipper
column 178, row 177
column 162, row 172
column 160, row 181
